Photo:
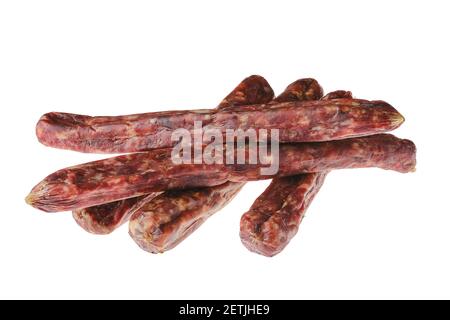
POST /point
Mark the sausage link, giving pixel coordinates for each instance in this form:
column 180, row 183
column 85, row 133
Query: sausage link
column 252, row 90
column 136, row 174
column 274, row 218
column 297, row 121
column 105, row 218
column 164, row 222
column 307, row 89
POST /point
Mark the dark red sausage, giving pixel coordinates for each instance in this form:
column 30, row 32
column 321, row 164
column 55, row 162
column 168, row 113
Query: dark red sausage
column 105, row 218
column 297, row 121
column 307, row 89
column 252, row 90
column 162, row 223
column 338, row 94
column 136, row 174
column 274, row 218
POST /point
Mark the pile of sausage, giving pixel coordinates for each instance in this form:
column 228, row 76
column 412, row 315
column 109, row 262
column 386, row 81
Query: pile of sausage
column 165, row 202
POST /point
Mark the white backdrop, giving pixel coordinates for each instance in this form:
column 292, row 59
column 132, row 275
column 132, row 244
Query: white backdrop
column 369, row 233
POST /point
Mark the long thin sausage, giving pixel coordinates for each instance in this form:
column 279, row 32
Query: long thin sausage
column 164, row 222
column 274, row 218
column 297, row 121
column 136, row 174
column 105, row 218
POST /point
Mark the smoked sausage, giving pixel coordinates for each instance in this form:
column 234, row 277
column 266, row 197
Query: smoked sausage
column 297, row 121
column 136, row 174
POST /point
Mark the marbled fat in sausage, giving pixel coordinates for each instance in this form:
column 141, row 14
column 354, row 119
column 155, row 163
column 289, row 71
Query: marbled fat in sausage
column 297, row 121
column 306, row 89
column 137, row 174
column 162, row 223
column 274, row 218
column 105, row 218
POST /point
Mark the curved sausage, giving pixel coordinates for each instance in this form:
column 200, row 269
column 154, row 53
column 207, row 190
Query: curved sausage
column 136, row 174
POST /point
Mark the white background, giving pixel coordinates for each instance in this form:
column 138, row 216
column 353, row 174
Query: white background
column 369, row 234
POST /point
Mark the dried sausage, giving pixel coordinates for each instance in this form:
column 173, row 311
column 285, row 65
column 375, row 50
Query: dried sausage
column 306, row 89
column 136, row 174
column 162, row 223
column 297, row 121
column 252, row 90
column 105, row 218
column 274, row 218
column 338, row 94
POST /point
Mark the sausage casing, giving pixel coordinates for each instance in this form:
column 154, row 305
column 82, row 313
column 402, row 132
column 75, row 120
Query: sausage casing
column 162, row 223
column 137, row 174
column 296, row 121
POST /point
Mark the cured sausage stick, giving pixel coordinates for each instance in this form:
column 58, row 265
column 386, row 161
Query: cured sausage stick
column 137, row 174
column 162, row 223
column 297, row 121
column 105, row 218
column 274, row 218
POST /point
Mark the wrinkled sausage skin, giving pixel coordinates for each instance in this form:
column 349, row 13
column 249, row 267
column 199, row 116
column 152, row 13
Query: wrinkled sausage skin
column 252, row 90
column 297, row 121
column 274, row 218
column 137, row 174
column 162, row 223
column 105, row 218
